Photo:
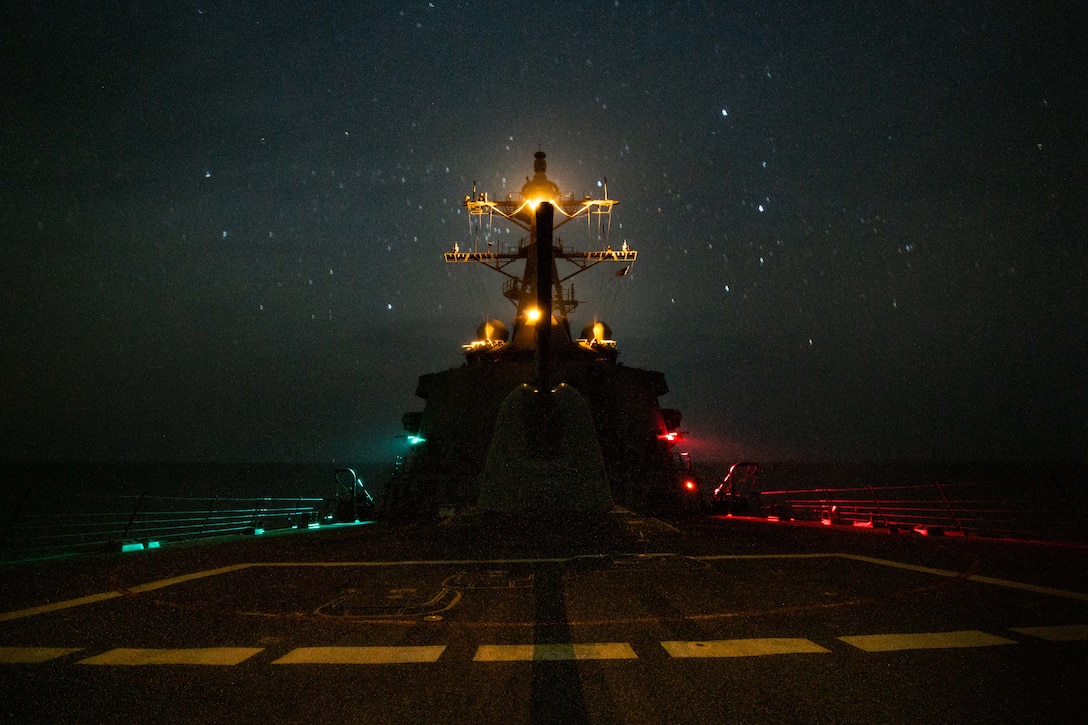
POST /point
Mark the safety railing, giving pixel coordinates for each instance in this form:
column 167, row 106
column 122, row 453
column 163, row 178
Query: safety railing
column 80, row 524
column 965, row 509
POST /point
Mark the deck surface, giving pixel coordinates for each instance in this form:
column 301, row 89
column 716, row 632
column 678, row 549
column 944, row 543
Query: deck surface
column 715, row 619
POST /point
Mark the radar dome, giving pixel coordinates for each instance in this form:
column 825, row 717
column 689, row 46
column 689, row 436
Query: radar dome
column 540, row 186
column 493, row 330
column 596, row 330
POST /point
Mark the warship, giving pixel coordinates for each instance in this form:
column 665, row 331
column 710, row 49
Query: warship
column 537, row 419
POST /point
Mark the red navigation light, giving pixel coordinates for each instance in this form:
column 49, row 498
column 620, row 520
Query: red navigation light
column 690, row 485
column 670, row 436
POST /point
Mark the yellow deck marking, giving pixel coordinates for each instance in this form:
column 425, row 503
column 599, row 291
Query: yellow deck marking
column 360, row 655
column 541, row 652
column 55, row 606
column 742, row 647
column 925, row 640
column 93, row 598
column 151, row 586
column 1060, row 633
column 1050, row 591
column 33, row 655
column 189, row 656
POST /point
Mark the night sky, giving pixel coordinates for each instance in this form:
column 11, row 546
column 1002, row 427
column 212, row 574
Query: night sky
column 861, row 226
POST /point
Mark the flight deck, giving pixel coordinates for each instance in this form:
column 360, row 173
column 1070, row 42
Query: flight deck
column 713, row 617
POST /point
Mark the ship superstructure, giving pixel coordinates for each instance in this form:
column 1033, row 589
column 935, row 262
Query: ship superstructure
column 538, row 419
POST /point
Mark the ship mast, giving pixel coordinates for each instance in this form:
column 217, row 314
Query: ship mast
column 520, row 209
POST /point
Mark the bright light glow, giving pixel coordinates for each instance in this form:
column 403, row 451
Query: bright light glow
column 670, row 436
column 532, row 204
column 132, row 547
column 689, row 485
column 415, row 440
column 532, row 314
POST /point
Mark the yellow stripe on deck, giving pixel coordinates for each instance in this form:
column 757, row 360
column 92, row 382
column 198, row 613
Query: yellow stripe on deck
column 925, row 640
column 104, row 596
column 1060, row 633
column 162, row 583
column 542, row 652
column 360, row 655
column 193, row 656
column 742, row 647
column 33, row 655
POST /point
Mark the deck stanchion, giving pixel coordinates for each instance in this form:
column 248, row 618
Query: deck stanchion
column 132, row 517
column 876, row 505
column 211, row 510
column 15, row 514
column 948, row 507
column 1074, row 513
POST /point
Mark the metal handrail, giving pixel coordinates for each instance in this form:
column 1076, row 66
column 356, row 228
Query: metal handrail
column 935, row 506
column 120, row 522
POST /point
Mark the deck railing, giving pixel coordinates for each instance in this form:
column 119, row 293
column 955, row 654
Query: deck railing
column 965, row 509
column 81, row 524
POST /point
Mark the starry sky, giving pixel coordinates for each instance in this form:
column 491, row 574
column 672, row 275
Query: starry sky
column 861, row 226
